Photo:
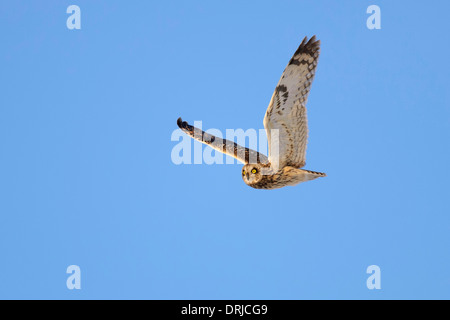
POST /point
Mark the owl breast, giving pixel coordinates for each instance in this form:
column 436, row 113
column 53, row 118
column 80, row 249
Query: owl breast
column 268, row 182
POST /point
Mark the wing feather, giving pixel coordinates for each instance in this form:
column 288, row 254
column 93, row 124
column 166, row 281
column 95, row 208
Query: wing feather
column 287, row 108
column 230, row 148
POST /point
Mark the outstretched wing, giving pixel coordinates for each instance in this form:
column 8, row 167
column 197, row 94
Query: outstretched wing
column 230, row 148
column 287, row 108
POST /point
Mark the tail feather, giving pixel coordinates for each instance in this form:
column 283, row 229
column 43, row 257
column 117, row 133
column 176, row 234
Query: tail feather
column 308, row 175
column 297, row 176
column 320, row 174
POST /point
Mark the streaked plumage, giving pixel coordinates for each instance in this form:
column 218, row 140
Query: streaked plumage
column 286, row 114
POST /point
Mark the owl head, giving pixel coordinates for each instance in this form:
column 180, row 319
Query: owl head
column 252, row 173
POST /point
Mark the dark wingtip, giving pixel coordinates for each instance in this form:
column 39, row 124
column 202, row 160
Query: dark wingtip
column 310, row 46
column 313, row 43
column 179, row 122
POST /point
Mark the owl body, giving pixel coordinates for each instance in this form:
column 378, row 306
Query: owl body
column 262, row 176
column 286, row 127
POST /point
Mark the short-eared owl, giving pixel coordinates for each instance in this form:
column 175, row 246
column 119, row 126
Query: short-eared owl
column 286, row 118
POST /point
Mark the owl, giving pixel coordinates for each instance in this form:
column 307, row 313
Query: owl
column 286, row 127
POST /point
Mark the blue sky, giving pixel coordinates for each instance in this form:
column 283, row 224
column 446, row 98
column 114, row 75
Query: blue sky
column 86, row 176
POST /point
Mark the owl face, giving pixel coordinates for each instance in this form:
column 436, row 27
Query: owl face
column 251, row 173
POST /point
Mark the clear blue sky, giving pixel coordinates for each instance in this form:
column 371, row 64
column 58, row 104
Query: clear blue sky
column 86, row 176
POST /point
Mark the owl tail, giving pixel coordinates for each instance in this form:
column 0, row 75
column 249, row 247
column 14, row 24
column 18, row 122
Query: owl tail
column 295, row 176
column 311, row 175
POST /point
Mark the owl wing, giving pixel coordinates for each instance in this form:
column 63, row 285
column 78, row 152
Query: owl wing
column 287, row 108
column 230, row 148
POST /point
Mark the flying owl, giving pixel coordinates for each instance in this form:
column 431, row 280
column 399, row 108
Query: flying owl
column 286, row 127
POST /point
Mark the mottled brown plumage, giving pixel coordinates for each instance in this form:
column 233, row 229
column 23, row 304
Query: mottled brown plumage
column 286, row 126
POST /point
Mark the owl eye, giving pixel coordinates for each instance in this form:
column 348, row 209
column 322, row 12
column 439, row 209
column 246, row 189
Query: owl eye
column 254, row 171
column 243, row 172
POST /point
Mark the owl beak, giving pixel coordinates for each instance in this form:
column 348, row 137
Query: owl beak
column 248, row 176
